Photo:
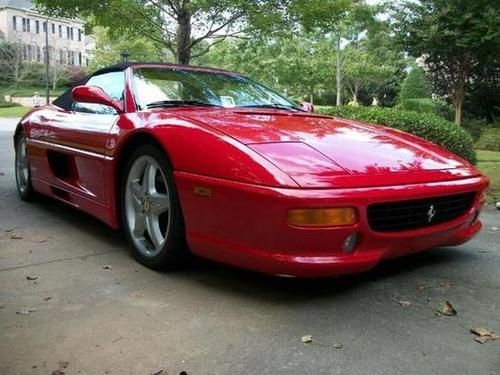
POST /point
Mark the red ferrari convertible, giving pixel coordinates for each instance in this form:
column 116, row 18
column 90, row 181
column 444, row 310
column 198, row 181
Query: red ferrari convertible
column 195, row 160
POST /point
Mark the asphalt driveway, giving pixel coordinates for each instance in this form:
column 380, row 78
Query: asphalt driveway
column 89, row 308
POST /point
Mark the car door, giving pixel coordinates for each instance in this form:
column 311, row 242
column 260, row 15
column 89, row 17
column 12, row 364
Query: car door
column 74, row 142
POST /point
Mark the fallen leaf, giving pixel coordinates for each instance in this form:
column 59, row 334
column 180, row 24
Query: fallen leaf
column 26, row 311
column 405, row 303
column 421, row 287
column 16, row 237
column 480, row 340
column 483, row 335
column 447, row 309
column 47, row 298
column 338, row 346
column 307, row 339
column 32, row 277
column 107, row 267
column 159, row 372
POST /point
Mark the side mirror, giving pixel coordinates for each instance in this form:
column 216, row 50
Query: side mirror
column 95, row 95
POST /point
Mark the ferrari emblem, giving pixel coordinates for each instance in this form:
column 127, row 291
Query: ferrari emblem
column 431, row 213
column 146, row 206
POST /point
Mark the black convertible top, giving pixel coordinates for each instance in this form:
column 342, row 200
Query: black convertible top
column 65, row 101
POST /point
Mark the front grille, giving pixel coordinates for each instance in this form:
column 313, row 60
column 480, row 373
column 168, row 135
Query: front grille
column 419, row 213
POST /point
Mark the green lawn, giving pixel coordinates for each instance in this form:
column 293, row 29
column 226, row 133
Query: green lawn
column 489, row 139
column 489, row 163
column 13, row 111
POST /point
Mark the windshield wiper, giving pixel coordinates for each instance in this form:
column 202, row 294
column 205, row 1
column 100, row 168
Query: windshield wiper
column 273, row 105
column 180, row 103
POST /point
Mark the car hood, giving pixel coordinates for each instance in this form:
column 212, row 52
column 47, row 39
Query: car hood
column 315, row 149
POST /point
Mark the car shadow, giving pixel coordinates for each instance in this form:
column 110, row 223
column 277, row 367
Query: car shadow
column 224, row 279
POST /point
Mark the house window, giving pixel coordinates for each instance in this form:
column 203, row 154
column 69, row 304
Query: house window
column 24, row 24
column 71, row 32
column 14, row 23
column 44, row 27
column 37, row 27
column 67, row 32
column 60, row 31
column 53, row 28
column 38, row 55
column 28, row 23
column 61, row 57
column 79, row 36
column 80, row 58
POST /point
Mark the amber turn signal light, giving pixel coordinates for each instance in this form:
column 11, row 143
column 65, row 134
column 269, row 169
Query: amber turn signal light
column 322, row 217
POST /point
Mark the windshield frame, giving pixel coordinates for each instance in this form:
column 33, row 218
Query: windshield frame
column 293, row 106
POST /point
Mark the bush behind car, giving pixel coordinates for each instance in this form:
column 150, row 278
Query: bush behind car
column 425, row 125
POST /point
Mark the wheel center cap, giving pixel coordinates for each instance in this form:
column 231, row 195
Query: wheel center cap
column 146, row 205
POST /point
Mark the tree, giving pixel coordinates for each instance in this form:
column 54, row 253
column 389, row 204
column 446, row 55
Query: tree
column 362, row 69
column 453, row 37
column 186, row 28
column 13, row 68
column 109, row 47
column 415, row 85
column 345, row 19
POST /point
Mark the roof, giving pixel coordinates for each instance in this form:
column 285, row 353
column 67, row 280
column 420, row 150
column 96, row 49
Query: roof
column 17, row 4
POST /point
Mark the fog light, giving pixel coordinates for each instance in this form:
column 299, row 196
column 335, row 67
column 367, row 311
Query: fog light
column 322, row 217
column 350, row 242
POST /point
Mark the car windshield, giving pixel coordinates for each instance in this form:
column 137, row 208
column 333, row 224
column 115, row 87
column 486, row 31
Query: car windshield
column 166, row 87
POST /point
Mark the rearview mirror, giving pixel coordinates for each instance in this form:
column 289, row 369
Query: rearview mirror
column 96, row 95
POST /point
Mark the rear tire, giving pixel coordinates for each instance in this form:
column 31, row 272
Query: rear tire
column 22, row 169
column 150, row 210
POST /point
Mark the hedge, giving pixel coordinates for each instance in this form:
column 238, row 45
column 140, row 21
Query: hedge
column 425, row 125
column 8, row 104
column 428, row 105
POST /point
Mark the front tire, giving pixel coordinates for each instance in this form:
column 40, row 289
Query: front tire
column 23, row 172
column 151, row 214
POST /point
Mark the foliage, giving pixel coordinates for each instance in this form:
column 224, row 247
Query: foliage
column 425, row 125
column 489, row 164
column 489, row 139
column 109, row 48
column 297, row 66
column 8, row 104
column 438, row 107
column 454, row 38
column 12, row 67
column 169, row 23
column 415, row 85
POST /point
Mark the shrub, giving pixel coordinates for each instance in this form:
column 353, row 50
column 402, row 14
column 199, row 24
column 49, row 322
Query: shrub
column 415, row 85
column 8, row 104
column 438, row 107
column 425, row 125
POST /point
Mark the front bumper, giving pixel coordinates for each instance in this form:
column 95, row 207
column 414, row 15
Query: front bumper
column 245, row 225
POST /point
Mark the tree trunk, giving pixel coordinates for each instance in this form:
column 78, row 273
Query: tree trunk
column 338, row 73
column 458, row 99
column 184, row 37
